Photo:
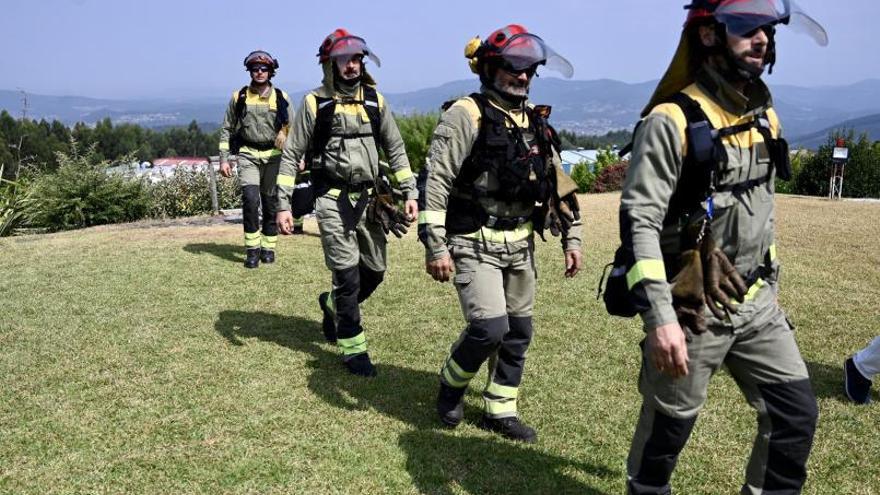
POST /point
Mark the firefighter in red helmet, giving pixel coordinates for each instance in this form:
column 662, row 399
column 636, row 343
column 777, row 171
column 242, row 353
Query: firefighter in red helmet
column 339, row 130
column 698, row 245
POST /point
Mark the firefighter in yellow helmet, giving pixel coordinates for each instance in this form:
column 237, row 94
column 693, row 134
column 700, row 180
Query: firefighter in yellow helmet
column 697, row 232
column 255, row 129
column 493, row 178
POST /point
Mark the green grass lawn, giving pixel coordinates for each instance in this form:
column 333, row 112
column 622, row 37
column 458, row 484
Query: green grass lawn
column 141, row 359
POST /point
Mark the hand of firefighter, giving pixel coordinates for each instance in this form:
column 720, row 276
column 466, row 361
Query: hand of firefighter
column 284, row 220
column 440, row 269
column 666, row 348
column 412, row 209
column 573, row 262
column 688, row 295
column 225, row 169
column 281, row 139
column 721, row 280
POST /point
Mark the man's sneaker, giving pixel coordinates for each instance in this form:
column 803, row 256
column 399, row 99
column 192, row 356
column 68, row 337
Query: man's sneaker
column 510, row 427
column 449, row 405
column 252, row 258
column 857, row 387
column 267, row 255
column 298, row 230
column 360, row 365
column 328, row 323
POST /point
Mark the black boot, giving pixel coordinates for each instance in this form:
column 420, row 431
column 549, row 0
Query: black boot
column 328, row 324
column 297, row 230
column 360, row 365
column 510, row 427
column 449, row 405
column 252, row 259
column 267, row 255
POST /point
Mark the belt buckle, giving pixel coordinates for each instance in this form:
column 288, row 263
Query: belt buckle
column 491, row 221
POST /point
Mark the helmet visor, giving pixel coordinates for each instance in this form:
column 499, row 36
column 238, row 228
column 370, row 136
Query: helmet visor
column 525, row 50
column 352, row 45
column 743, row 17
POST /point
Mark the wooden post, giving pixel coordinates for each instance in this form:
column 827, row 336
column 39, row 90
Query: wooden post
column 215, row 206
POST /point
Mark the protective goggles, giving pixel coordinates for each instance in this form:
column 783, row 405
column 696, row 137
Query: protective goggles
column 744, row 17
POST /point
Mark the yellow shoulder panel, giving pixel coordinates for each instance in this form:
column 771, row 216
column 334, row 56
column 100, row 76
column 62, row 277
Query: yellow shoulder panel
column 675, row 113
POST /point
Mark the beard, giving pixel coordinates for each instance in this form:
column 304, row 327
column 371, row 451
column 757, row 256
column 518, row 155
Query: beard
column 514, row 87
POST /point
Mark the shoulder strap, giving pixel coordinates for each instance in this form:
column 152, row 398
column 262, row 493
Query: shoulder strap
column 324, row 110
column 371, row 106
column 282, row 116
column 241, row 103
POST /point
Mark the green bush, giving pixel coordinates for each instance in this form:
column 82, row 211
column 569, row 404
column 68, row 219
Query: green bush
column 188, row 192
column 81, row 194
column 416, row 131
column 583, row 176
column 15, row 197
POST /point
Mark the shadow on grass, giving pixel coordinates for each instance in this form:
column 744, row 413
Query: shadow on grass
column 444, row 464
column 827, row 380
column 400, row 393
column 226, row 252
column 437, row 461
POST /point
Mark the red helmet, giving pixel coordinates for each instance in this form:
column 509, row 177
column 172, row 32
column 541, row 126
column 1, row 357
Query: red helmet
column 260, row 57
column 341, row 43
column 515, row 47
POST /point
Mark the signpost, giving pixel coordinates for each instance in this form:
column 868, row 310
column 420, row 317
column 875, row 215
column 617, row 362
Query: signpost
column 838, row 162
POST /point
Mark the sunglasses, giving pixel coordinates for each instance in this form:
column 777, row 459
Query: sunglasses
column 768, row 29
column 260, row 68
column 528, row 71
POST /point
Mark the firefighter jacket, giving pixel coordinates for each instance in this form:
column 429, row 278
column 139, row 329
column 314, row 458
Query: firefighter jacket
column 743, row 224
column 255, row 128
column 451, row 145
column 350, row 155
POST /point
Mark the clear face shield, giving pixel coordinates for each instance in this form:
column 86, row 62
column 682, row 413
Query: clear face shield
column 742, row 18
column 524, row 51
column 349, row 46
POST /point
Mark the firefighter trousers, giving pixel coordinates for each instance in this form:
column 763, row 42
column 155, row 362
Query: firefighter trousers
column 496, row 289
column 357, row 259
column 758, row 348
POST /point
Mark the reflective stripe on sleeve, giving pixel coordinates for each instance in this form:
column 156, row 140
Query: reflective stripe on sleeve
column 224, row 146
column 432, row 217
column 286, row 180
column 402, row 175
column 645, row 269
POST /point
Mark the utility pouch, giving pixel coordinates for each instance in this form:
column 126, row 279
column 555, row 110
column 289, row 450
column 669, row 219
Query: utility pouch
column 779, row 156
column 302, row 201
column 619, row 299
column 235, row 144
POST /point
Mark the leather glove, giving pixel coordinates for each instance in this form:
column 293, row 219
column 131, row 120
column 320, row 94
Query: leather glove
column 562, row 214
column 721, row 281
column 385, row 212
column 688, row 296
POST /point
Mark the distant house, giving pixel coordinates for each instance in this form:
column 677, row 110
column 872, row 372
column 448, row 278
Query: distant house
column 570, row 158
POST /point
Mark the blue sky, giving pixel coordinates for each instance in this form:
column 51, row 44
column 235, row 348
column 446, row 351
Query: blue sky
column 186, row 48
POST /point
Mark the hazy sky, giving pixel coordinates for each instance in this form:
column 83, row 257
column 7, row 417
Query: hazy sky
column 183, row 48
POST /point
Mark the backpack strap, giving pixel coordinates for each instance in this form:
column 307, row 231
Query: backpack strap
column 241, row 103
column 282, row 115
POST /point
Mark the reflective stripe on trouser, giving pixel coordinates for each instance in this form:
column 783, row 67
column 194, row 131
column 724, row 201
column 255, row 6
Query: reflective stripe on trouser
column 357, row 259
column 496, row 290
column 760, row 352
column 297, row 221
column 258, row 177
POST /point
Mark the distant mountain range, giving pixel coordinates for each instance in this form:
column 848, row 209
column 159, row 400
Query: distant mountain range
column 589, row 107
